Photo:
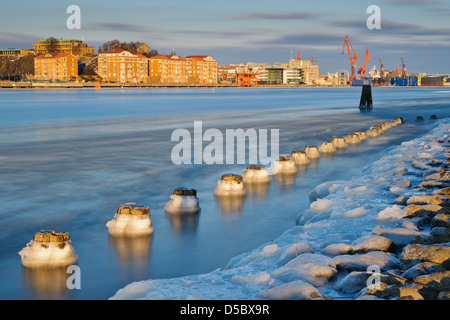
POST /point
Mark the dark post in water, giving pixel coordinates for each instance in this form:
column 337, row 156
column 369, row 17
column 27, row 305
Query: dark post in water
column 366, row 97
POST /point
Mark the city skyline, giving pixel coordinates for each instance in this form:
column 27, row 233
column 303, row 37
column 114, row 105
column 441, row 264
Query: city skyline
column 250, row 31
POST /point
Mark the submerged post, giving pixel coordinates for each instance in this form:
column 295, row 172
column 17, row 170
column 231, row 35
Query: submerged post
column 366, row 98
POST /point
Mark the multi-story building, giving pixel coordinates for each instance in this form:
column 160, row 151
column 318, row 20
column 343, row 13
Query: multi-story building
column 201, row 69
column 175, row 69
column 56, row 66
column 167, row 69
column 52, row 45
column 122, row 66
column 293, row 72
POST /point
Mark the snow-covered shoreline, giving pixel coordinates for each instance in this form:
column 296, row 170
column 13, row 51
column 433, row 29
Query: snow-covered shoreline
column 350, row 226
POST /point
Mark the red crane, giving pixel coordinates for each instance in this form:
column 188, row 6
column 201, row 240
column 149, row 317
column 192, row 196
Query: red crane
column 403, row 69
column 382, row 70
column 362, row 68
column 352, row 58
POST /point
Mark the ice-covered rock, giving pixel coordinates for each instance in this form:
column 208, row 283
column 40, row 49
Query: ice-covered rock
column 373, row 243
column 394, row 212
column 353, row 282
column 293, row 251
column 295, row 290
column 424, row 200
column 316, row 269
column 336, row 249
column 48, row 249
column 258, row 278
column 349, row 214
column 439, row 176
column 422, row 268
column 183, row 201
column 417, row 253
column 400, row 236
column 130, row 220
column 384, row 260
column 414, row 210
column 321, row 205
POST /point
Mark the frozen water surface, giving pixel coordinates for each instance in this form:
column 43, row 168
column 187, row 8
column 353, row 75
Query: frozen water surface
column 69, row 158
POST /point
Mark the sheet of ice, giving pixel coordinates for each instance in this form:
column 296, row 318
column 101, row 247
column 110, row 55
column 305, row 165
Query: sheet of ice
column 364, row 207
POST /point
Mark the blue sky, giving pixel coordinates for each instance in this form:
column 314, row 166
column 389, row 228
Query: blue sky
column 242, row 31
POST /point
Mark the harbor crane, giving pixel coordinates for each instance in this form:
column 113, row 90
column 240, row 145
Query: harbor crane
column 362, row 68
column 352, row 58
column 403, row 69
column 382, row 70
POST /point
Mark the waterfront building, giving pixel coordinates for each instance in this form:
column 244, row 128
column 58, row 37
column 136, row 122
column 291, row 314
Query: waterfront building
column 53, row 45
column 201, row 69
column 56, row 66
column 167, row 69
column 122, row 66
column 175, row 69
column 295, row 71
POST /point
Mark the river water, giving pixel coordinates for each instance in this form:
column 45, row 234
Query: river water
column 69, row 158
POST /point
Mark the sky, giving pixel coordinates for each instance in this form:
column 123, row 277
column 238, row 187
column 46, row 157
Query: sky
column 235, row 32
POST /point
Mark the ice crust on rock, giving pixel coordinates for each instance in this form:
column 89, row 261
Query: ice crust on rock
column 328, row 253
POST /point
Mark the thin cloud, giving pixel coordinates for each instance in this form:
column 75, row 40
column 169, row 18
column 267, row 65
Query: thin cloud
column 116, row 26
column 311, row 38
column 279, row 16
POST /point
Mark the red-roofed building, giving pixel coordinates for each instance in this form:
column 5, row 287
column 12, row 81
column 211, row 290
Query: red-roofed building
column 122, row 66
column 175, row 69
column 56, row 66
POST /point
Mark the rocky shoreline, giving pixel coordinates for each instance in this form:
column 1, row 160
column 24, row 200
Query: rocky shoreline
column 419, row 249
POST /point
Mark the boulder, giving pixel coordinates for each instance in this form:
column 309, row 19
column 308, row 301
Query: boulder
column 399, row 236
column 415, row 210
column 424, row 200
column 373, row 243
column 441, row 220
column 439, row 176
column 430, row 285
column 295, row 290
column 416, row 253
column 422, row 268
column 316, row 269
column 354, row 282
column 361, row 262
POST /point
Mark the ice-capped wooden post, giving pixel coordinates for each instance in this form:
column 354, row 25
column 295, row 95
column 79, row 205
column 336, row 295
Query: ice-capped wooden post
column 49, row 249
column 183, row 201
column 130, row 220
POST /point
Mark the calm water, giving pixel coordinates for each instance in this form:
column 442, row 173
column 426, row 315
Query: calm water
column 69, row 158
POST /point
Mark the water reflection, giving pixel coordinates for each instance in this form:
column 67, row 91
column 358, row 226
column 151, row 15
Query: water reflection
column 257, row 190
column 183, row 223
column 285, row 180
column 133, row 254
column 47, row 283
column 230, row 204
